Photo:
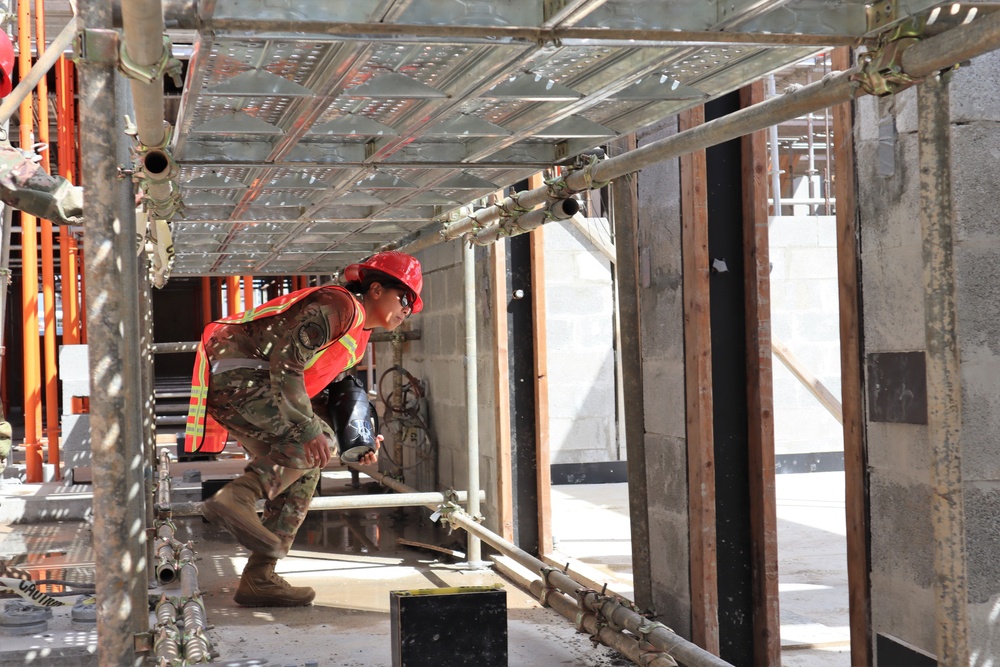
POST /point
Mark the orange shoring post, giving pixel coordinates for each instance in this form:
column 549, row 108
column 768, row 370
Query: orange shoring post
column 232, row 295
column 83, row 299
column 68, row 251
column 247, row 292
column 29, row 272
column 206, row 300
column 48, row 265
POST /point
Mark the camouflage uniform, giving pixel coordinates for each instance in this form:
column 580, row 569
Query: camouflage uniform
column 257, row 391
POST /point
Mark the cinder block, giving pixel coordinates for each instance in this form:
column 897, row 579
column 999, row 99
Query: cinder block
column 75, row 433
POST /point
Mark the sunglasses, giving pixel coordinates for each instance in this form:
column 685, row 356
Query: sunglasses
column 406, row 298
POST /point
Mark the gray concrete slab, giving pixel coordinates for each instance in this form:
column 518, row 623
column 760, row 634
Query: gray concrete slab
column 350, row 558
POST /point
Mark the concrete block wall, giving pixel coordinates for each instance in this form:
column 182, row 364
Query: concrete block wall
column 899, row 456
column 580, row 342
column 662, row 346
column 805, row 317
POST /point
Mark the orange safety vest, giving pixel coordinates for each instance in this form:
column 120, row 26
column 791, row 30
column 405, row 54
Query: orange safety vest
column 205, row 435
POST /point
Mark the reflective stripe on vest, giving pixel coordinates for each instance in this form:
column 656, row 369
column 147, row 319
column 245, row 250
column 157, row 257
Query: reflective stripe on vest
column 325, row 365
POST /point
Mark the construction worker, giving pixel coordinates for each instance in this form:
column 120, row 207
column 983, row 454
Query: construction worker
column 254, row 376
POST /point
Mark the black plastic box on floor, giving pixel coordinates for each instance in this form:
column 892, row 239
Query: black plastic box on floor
column 449, row 627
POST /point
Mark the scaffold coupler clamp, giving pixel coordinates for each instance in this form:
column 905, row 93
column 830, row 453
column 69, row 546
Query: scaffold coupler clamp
column 649, row 652
column 446, row 511
column 880, row 71
column 600, row 620
column 149, row 73
column 547, row 587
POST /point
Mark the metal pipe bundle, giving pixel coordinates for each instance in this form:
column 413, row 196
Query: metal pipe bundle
column 660, row 638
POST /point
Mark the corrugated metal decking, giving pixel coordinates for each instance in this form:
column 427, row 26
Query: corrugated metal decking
column 311, row 133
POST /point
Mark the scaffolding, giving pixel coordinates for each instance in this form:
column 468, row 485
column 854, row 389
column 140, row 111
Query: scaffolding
column 118, row 328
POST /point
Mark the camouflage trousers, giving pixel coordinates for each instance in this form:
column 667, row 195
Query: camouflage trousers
column 247, row 406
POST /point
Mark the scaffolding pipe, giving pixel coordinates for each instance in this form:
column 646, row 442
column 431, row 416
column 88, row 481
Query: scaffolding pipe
column 658, row 635
column 535, row 35
column 110, row 259
column 143, row 28
column 150, row 480
column 918, row 61
column 397, row 403
column 944, row 375
column 48, row 266
column 170, row 348
column 4, row 274
column 775, row 155
column 30, row 78
column 563, row 209
column 404, row 499
column 627, row 645
column 474, row 553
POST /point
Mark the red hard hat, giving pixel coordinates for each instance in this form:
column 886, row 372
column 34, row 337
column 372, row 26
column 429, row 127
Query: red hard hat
column 405, row 268
column 6, row 64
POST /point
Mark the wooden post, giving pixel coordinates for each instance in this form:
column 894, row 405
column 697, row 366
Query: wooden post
column 625, row 207
column 698, row 392
column 542, row 456
column 501, row 372
column 855, row 460
column 760, row 399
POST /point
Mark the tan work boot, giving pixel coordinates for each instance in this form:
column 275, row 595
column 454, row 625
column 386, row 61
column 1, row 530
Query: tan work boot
column 261, row 587
column 234, row 508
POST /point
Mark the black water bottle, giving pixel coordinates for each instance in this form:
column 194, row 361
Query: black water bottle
column 353, row 418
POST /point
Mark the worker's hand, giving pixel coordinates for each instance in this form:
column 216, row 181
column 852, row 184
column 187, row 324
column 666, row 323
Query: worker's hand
column 371, row 458
column 317, row 451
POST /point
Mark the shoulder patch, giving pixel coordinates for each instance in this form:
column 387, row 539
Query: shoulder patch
column 310, row 335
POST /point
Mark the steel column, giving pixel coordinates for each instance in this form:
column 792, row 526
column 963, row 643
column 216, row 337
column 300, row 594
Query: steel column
column 110, row 248
column 944, row 381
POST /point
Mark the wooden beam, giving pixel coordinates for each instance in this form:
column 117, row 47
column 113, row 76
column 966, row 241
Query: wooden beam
column 760, row 398
column 625, row 214
column 855, row 461
column 501, row 374
column 542, row 455
column 808, row 380
column 698, row 392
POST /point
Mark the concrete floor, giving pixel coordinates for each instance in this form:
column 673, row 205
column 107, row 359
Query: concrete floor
column 353, row 561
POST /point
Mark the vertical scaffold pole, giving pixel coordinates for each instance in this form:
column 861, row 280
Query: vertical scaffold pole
column 112, row 332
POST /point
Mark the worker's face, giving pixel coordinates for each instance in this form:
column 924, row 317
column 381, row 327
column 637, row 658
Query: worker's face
column 388, row 307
